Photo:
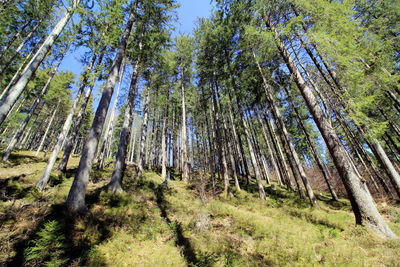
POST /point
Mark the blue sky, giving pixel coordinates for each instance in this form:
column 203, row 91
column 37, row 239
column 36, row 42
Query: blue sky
column 188, row 14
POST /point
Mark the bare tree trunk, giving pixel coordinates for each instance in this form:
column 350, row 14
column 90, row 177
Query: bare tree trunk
column 278, row 117
column 362, row 202
column 388, row 166
column 16, row 35
column 74, row 133
column 119, row 166
column 15, row 91
column 17, row 73
column 19, row 48
column 254, row 160
column 219, row 142
column 184, row 158
column 229, row 151
column 47, row 130
column 164, row 141
column 35, row 104
column 143, row 132
column 324, row 170
column 272, row 155
column 64, row 131
column 108, row 130
column 76, row 196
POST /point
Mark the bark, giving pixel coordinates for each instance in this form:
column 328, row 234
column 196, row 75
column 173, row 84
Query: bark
column 76, row 196
column 17, row 136
column 324, row 170
column 375, row 146
column 164, row 149
column 15, row 37
column 19, row 48
column 229, row 149
column 361, row 200
column 64, row 131
column 120, row 166
column 278, row 149
column 272, row 155
column 71, row 140
column 219, row 142
column 164, row 141
column 184, row 158
column 108, row 130
column 143, row 131
column 388, row 166
column 278, row 117
column 47, row 130
column 15, row 91
column 17, row 73
column 257, row 173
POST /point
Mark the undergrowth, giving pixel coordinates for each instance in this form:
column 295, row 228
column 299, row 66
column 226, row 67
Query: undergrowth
column 149, row 225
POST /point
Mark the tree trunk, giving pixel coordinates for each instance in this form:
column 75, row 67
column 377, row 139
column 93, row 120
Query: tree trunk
column 257, row 173
column 108, row 130
column 16, row 74
column 76, row 196
column 278, row 117
column 19, row 48
column 278, row 171
column 71, row 140
column 324, row 170
column 119, row 167
column 64, row 131
column 184, row 158
column 15, row 91
column 361, row 200
column 35, row 104
column 219, row 142
column 47, row 130
column 388, row 166
column 143, row 131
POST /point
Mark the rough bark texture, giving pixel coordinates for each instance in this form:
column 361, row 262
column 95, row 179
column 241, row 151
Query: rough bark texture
column 278, row 117
column 47, row 130
column 119, row 166
column 35, row 104
column 364, row 207
column 143, row 132
column 185, row 161
column 76, row 196
column 64, row 131
column 15, row 91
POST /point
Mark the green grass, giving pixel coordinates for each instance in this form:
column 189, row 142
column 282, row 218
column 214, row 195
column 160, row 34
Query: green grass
column 148, row 225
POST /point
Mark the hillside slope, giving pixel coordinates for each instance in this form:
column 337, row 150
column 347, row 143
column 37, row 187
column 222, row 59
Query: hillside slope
column 148, row 225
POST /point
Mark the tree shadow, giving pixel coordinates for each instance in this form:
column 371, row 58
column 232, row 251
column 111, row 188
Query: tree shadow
column 334, row 204
column 16, row 159
column 75, row 245
column 180, row 240
column 10, row 189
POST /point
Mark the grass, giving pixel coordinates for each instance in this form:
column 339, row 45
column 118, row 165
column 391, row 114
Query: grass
column 148, row 225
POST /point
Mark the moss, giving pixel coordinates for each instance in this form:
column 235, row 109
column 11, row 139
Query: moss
column 147, row 225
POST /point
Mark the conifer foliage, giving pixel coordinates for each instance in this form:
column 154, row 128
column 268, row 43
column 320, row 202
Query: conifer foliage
column 295, row 93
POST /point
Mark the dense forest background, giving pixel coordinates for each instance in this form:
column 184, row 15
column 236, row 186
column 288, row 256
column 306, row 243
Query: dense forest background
column 269, row 110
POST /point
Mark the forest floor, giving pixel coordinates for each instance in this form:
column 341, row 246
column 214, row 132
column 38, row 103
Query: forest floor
column 148, row 225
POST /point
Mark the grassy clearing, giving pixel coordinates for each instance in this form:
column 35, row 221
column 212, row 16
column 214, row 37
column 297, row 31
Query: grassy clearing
column 148, row 225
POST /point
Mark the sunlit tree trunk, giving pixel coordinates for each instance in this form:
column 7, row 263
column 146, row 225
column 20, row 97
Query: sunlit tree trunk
column 15, row 91
column 76, row 196
column 364, row 207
